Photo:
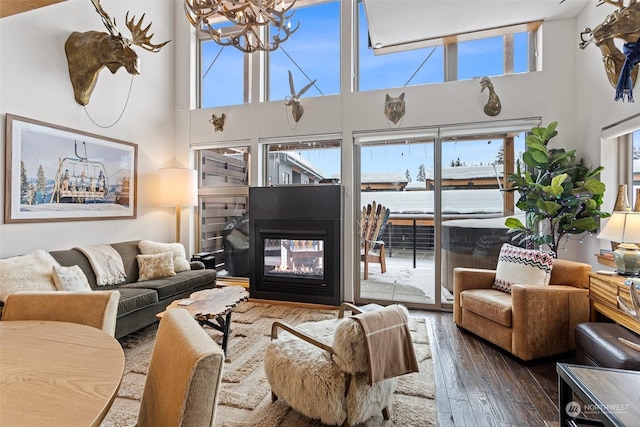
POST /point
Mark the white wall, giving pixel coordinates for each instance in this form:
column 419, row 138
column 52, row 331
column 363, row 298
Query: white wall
column 34, row 83
column 595, row 109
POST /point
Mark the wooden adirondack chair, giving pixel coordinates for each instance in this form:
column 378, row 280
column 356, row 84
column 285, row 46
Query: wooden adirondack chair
column 373, row 222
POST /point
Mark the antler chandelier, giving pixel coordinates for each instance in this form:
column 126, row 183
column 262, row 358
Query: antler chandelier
column 253, row 20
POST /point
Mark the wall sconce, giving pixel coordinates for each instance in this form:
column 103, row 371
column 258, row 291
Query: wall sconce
column 624, row 227
column 178, row 188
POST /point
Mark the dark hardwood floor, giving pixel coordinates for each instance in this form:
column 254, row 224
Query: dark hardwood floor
column 478, row 384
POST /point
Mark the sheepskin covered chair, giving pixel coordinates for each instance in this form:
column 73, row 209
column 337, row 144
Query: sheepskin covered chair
column 321, row 369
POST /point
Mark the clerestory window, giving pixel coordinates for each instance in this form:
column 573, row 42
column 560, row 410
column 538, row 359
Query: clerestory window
column 313, row 53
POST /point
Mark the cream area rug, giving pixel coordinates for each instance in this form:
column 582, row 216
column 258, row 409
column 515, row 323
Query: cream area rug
column 245, row 396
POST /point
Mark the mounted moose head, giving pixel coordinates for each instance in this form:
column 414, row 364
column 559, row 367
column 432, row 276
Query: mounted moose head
column 620, row 67
column 88, row 52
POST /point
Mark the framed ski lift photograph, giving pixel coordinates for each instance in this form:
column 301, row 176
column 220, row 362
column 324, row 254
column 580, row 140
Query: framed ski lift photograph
column 54, row 173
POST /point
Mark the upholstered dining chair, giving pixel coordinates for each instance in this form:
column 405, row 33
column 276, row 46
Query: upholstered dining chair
column 96, row 308
column 184, row 375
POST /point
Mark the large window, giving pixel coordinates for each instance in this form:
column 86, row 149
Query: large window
column 312, row 53
column 493, row 56
column 223, row 197
column 487, row 53
column 302, row 162
column 400, row 69
column 217, row 61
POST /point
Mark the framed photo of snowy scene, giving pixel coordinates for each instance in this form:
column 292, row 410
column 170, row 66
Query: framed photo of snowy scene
column 53, row 173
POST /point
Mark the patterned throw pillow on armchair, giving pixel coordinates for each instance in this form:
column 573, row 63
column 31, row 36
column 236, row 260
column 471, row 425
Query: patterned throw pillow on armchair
column 523, row 267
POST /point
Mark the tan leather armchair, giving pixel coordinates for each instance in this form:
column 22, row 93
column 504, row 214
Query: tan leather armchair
column 531, row 322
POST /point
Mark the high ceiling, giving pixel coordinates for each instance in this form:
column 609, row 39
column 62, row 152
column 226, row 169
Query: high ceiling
column 13, row 7
column 397, row 22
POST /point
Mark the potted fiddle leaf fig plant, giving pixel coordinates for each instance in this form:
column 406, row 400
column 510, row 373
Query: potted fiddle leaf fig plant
column 558, row 194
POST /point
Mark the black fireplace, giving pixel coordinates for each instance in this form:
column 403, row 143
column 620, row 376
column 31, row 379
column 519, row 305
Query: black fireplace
column 295, row 243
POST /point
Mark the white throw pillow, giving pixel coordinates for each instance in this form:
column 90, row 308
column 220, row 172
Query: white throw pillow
column 523, row 267
column 70, row 279
column 29, row 272
column 155, row 266
column 180, row 262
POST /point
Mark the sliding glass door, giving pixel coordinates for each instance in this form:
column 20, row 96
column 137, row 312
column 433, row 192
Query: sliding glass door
column 443, row 189
column 397, row 241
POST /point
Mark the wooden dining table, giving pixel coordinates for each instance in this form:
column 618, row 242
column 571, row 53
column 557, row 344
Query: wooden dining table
column 57, row 373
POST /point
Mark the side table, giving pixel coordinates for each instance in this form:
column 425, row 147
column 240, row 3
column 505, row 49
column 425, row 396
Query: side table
column 212, row 304
column 603, row 293
column 610, row 395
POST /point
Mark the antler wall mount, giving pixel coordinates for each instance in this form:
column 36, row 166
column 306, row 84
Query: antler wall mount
column 620, row 66
column 89, row 52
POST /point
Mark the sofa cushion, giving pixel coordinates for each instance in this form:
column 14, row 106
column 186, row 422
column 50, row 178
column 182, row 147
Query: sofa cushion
column 135, row 299
column 182, row 282
column 180, row 262
column 71, row 257
column 156, row 266
column 491, row 304
column 523, row 267
column 30, row 272
column 128, row 252
column 70, row 278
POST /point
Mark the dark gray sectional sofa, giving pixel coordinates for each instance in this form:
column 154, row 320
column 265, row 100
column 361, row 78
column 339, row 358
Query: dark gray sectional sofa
column 140, row 301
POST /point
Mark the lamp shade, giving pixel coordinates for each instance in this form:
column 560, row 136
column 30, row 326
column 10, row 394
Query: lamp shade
column 622, row 227
column 178, row 187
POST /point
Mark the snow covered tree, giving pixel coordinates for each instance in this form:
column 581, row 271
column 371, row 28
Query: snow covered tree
column 41, row 185
column 500, row 156
column 24, row 185
column 407, row 174
column 422, row 176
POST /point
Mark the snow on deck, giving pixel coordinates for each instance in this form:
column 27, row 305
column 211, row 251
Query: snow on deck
column 468, row 202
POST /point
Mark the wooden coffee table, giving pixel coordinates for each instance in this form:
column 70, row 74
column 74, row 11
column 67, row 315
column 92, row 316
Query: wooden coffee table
column 213, row 304
column 611, row 395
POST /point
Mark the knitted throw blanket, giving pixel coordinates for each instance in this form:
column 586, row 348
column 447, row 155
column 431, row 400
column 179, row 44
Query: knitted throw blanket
column 106, row 263
column 389, row 349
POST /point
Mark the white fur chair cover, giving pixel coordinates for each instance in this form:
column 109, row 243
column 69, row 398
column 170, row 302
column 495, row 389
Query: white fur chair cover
column 313, row 382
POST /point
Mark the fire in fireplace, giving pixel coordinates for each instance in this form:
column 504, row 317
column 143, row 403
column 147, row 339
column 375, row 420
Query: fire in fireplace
column 295, row 243
column 294, row 258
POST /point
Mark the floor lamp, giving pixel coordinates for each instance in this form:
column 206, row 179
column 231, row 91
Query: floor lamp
column 178, row 187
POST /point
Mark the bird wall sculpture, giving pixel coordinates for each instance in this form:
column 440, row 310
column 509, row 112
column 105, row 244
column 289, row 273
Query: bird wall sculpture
column 493, row 105
column 293, row 100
